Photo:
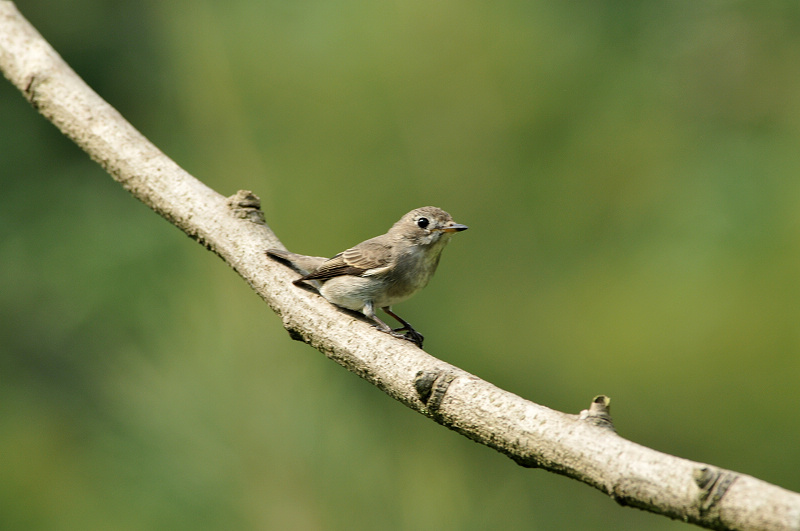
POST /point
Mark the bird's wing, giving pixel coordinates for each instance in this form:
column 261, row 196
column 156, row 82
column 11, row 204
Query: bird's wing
column 364, row 257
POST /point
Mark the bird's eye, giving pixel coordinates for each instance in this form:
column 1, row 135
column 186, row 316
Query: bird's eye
column 422, row 222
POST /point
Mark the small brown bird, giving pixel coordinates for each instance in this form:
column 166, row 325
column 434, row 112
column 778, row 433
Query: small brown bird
column 382, row 271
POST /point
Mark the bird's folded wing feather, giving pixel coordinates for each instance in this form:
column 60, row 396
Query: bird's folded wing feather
column 357, row 261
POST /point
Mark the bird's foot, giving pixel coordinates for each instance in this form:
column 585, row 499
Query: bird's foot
column 409, row 334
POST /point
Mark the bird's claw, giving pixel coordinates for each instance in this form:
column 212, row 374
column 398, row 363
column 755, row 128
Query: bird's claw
column 409, row 335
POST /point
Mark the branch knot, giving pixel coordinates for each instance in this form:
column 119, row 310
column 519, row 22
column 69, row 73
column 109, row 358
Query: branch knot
column 431, row 387
column 713, row 484
column 244, row 204
column 599, row 413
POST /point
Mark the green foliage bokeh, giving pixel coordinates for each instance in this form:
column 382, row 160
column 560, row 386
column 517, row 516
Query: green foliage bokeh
column 629, row 173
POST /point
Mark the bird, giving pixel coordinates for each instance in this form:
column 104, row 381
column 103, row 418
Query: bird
column 382, row 271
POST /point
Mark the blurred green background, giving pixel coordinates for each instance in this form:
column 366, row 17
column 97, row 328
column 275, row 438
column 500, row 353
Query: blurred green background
column 629, row 172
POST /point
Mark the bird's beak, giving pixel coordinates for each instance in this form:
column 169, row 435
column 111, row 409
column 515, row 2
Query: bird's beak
column 455, row 227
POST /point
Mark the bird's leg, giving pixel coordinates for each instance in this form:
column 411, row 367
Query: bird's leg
column 369, row 311
column 411, row 334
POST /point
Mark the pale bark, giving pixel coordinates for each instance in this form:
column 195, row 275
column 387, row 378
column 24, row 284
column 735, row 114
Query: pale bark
column 584, row 447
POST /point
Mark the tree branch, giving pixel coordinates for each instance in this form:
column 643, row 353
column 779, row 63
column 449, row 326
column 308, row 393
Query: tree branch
column 584, row 447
